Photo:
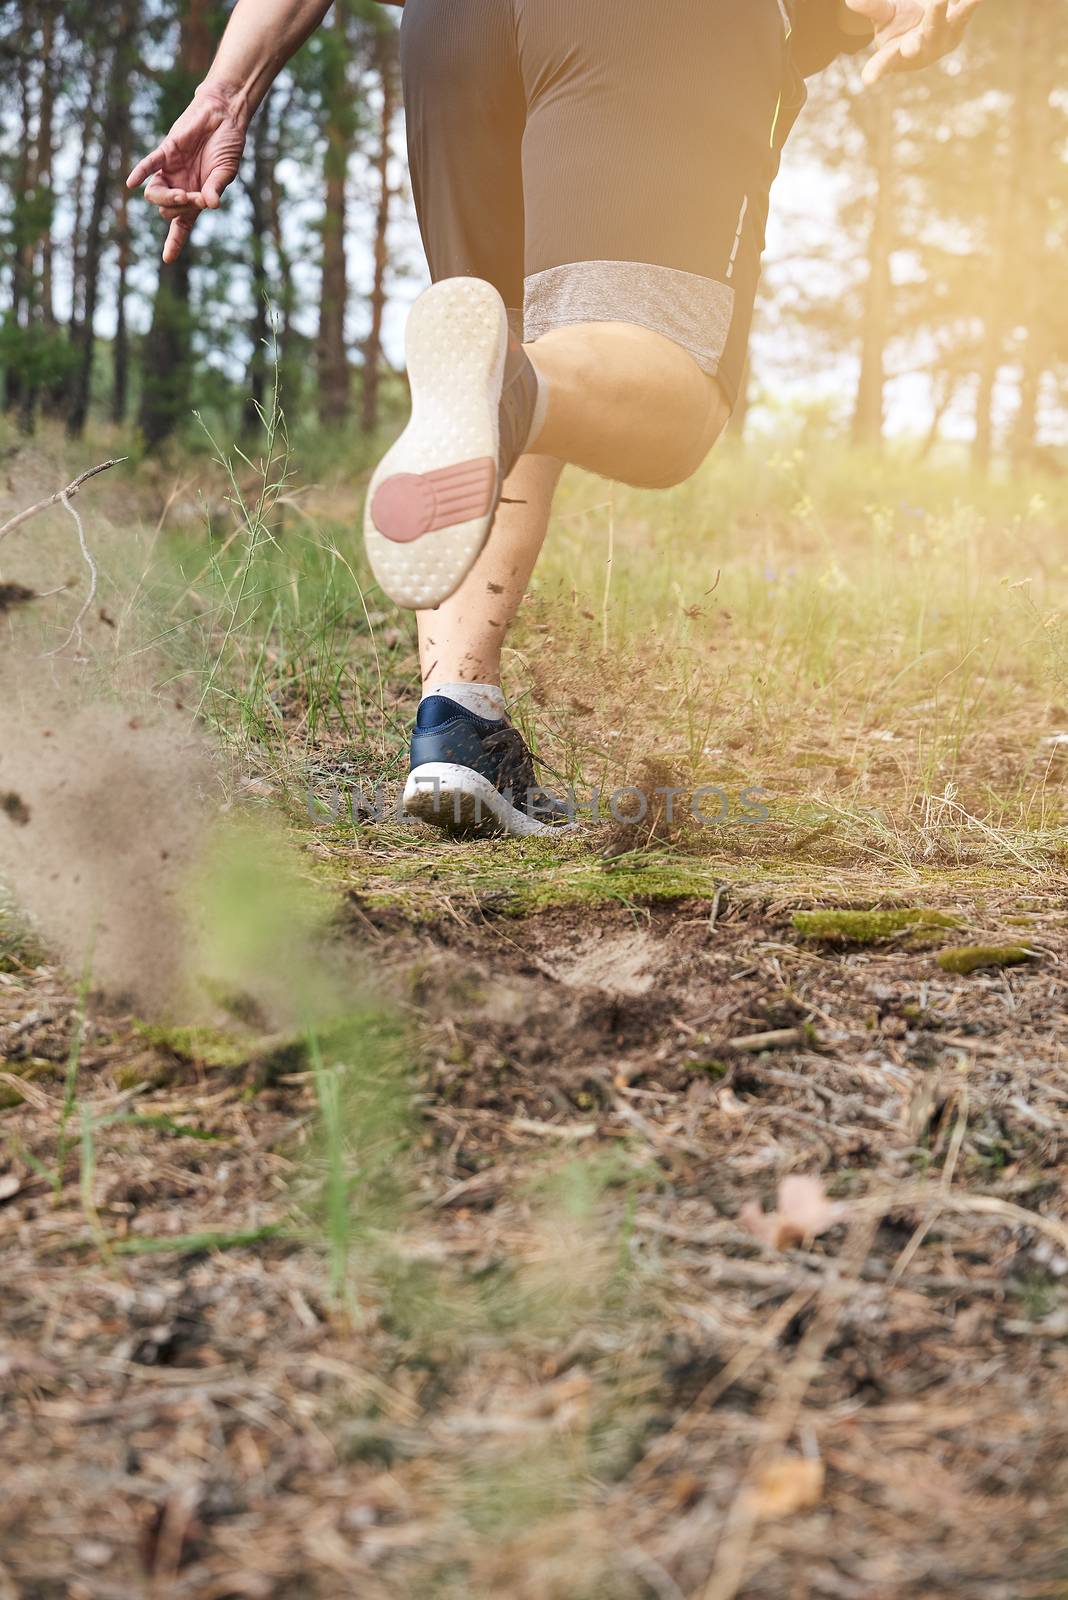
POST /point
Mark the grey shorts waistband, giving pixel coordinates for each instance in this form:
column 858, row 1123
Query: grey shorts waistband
column 692, row 311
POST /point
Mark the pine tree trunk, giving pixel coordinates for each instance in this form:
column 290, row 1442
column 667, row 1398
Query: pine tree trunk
column 45, row 161
column 84, row 339
column 120, row 350
column 85, row 165
column 332, row 355
column 120, row 369
column 385, row 57
column 870, row 402
column 259, row 330
column 287, row 299
column 999, row 302
column 21, row 273
column 166, row 355
column 1036, row 266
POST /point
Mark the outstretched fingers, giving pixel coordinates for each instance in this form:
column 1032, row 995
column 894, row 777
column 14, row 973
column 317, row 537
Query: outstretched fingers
column 883, row 61
column 177, row 237
column 158, row 194
column 932, row 38
column 145, row 168
column 941, row 30
column 212, row 189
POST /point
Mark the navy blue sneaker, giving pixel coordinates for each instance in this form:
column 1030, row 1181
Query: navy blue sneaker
column 473, row 777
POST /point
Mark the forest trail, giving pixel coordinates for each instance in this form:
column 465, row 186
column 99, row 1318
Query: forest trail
column 575, row 1370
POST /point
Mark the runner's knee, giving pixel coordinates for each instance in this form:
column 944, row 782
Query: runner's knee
column 708, row 421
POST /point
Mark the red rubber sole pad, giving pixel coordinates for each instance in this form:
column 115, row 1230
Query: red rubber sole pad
column 407, row 506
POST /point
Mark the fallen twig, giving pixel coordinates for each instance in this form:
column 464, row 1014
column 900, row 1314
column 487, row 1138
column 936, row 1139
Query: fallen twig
column 63, row 497
column 60, row 496
column 87, row 554
column 777, row 1039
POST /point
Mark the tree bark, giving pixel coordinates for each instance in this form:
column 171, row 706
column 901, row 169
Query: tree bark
column 386, row 69
column 84, row 340
column 120, row 369
column 1036, row 267
column 259, row 330
column 332, row 355
column 167, row 355
column 870, row 402
column 289, row 375
column 999, row 308
column 45, row 160
column 21, row 268
column 85, row 166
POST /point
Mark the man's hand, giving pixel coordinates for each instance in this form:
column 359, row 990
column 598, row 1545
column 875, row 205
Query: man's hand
column 196, row 161
column 912, row 33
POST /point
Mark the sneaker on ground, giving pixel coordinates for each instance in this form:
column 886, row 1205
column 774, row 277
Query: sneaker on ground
column 471, row 777
column 434, row 494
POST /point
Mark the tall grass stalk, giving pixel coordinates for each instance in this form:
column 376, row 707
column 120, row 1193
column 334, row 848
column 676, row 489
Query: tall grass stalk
column 336, row 1190
column 70, row 1083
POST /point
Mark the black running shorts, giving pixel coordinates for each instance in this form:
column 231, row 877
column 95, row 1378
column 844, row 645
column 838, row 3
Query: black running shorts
column 603, row 160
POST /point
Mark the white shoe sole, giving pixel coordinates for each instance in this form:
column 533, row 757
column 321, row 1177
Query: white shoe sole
column 461, row 801
column 432, row 499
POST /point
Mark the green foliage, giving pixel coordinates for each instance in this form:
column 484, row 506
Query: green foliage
column 40, row 357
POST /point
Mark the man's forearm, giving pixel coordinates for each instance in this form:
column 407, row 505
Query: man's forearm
column 260, row 38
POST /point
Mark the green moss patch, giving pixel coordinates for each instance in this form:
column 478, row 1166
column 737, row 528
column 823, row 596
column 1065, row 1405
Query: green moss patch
column 869, row 927
column 204, row 1047
column 974, row 958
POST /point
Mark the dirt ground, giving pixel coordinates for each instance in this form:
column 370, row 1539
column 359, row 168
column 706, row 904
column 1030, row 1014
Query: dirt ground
column 583, row 1377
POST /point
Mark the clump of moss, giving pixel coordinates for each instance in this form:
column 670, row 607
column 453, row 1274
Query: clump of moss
column 714, row 1069
column 973, row 958
column 869, row 927
column 206, row 1047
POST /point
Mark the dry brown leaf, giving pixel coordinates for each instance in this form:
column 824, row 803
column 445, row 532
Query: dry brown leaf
column 802, row 1212
column 787, row 1486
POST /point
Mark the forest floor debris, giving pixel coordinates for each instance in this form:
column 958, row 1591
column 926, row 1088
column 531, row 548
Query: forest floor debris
column 693, row 1229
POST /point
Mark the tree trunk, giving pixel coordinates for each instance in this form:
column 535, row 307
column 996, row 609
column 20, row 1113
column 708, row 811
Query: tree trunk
column 120, row 368
column 385, row 64
column 289, row 371
column 89, row 123
column 167, row 355
column 111, row 140
column 21, row 268
column 870, row 403
column 1036, row 267
column 45, row 159
column 1000, row 300
column 259, row 331
column 332, row 356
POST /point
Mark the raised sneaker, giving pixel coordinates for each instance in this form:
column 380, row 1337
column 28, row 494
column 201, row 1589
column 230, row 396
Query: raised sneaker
column 434, row 494
column 473, row 778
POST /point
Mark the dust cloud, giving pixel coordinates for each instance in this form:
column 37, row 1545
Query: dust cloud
column 103, row 814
